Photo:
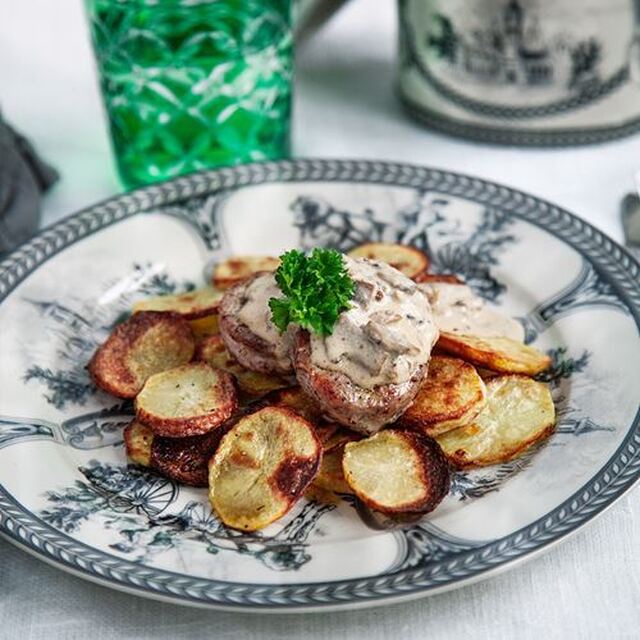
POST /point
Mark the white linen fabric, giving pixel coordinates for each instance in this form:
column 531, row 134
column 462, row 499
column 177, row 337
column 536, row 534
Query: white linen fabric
column 586, row 587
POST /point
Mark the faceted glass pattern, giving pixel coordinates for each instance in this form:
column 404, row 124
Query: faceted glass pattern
column 192, row 84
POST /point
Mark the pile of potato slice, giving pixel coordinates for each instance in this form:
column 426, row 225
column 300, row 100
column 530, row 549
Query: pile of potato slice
column 259, row 444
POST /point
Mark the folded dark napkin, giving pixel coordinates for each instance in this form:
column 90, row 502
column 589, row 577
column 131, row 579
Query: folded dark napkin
column 23, row 179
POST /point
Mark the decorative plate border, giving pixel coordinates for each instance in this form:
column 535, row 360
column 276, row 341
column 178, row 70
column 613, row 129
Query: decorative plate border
column 620, row 473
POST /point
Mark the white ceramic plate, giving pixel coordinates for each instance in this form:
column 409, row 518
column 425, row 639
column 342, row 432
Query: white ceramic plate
column 68, row 495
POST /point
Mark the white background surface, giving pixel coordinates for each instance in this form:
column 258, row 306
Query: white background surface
column 588, row 587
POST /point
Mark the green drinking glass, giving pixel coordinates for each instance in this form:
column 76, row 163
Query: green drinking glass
column 193, row 84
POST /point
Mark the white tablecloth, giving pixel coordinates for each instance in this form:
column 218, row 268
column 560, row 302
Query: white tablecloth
column 588, row 587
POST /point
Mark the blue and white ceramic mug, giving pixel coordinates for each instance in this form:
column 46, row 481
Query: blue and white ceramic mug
column 522, row 71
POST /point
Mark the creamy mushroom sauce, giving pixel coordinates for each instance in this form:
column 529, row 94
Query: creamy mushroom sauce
column 256, row 315
column 385, row 336
column 457, row 309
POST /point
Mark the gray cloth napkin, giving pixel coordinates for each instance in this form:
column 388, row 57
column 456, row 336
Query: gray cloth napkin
column 23, row 179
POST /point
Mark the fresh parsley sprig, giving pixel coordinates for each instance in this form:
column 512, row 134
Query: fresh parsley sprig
column 316, row 288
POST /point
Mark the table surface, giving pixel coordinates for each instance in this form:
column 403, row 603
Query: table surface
column 587, row 587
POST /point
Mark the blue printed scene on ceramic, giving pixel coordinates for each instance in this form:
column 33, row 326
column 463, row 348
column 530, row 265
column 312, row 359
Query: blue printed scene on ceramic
column 520, row 72
column 68, row 493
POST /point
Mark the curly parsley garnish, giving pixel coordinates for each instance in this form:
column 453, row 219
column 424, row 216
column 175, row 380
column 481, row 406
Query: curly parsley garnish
column 316, row 288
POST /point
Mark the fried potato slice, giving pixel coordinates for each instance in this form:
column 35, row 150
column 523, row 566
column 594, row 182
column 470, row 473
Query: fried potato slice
column 449, row 278
column 186, row 401
column 325, row 430
column 408, row 260
column 253, row 383
column 191, row 305
column 450, row 397
column 238, row 268
column 496, row 353
column 487, row 374
column 397, row 471
column 137, row 442
column 262, row 466
column 519, row 412
column 330, row 475
column 185, row 460
column 147, row 343
column 320, row 495
column 297, row 400
column 339, row 438
column 205, row 326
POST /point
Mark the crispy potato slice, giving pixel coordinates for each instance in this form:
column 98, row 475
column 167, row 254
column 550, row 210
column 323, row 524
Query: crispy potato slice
column 205, row 326
column 296, row 399
column 397, row 471
column 138, row 439
column 519, row 412
column 185, row 460
column 449, row 278
column 253, row 383
column 330, row 475
column 496, row 353
column 408, row 260
column 320, row 495
column 451, row 396
column 238, row 268
column 340, row 437
column 186, row 401
column 261, row 468
column 191, row 305
column 325, row 430
column 147, row 343
column 487, row 374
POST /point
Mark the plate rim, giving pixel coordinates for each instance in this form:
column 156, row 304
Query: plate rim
column 611, row 261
